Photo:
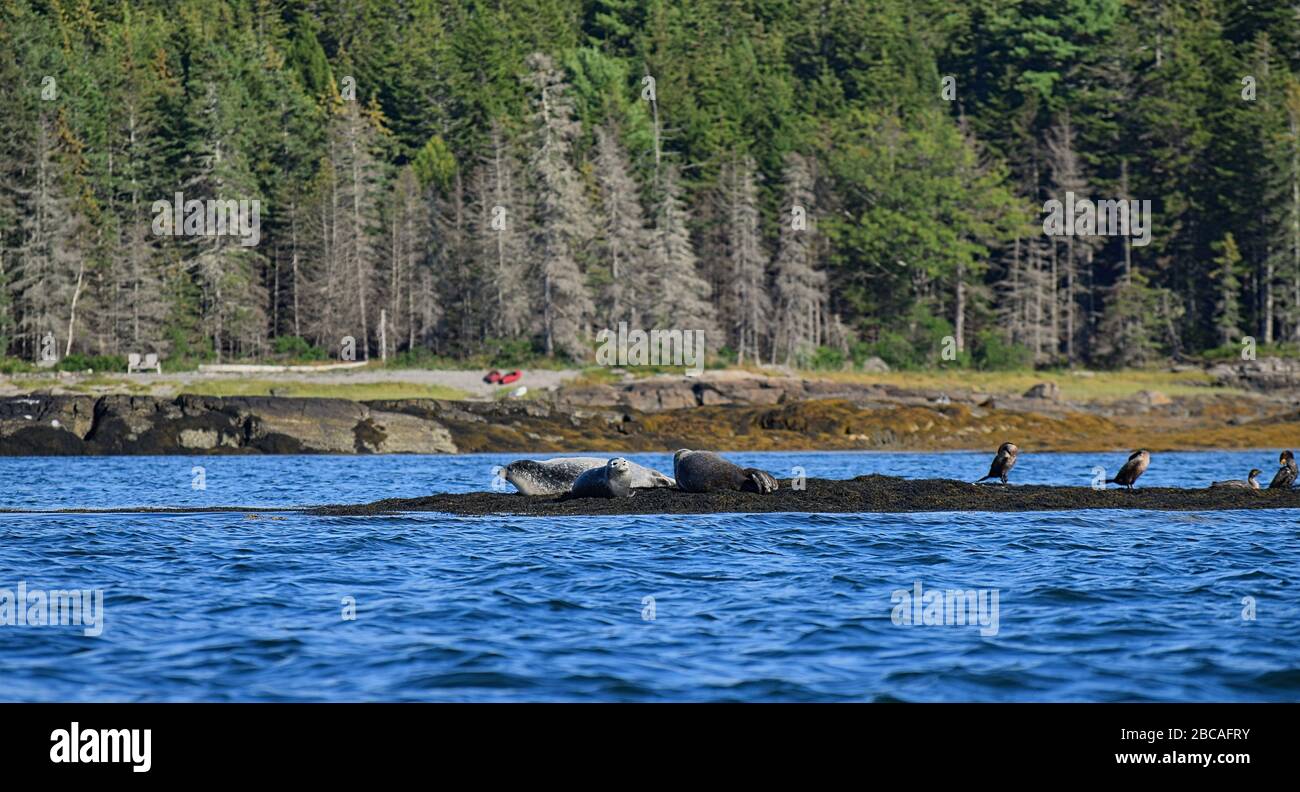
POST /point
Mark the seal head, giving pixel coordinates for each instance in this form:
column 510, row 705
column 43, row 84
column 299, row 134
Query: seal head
column 614, row 480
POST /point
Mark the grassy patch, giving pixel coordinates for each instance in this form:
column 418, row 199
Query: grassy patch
column 98, row 383
column 596, row 375
column 33, row 384
column 357, row 391
column 611, row 375
column 1075, row 385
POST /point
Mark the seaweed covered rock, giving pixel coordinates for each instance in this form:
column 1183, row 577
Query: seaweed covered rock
column 872, row 493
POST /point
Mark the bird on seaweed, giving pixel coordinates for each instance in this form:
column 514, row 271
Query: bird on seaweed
column 1249, row 483
column 1133, row 468
column 1286, row 471
column 1002, row 463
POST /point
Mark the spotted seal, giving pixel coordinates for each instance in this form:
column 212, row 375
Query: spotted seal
column 614, row 480
column 705, row 471
column 556, row 476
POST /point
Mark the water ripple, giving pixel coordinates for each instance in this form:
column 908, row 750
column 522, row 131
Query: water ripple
column 1099, row 606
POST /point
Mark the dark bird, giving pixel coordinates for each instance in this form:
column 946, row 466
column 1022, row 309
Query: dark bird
column 1002, row 463
column 1249, row 483
column 1286, row 471
column 1133, row 468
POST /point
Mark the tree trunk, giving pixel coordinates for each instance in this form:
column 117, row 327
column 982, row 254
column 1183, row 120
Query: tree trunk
column 72, row 312
column 358, row 229
column 1069, row 302
column 959, row 321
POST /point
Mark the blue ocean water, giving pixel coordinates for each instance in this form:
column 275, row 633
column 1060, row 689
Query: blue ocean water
column 1091, row 606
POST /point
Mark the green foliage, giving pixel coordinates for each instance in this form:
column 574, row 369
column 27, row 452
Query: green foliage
column 297, row 348
column 512, row 352
column 1226, row 275
column 725, row 356
column 434, row 164
column 827, row 359
column 892, row 347
column 96, row 363
column 308, row 57
column 1132, row 324
column 993, row 352
column 11, row 365
column 914, row 196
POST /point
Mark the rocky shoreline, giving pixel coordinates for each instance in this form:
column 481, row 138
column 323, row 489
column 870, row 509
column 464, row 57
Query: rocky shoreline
column 872, row 493
column 39, row 425
column 741, row 416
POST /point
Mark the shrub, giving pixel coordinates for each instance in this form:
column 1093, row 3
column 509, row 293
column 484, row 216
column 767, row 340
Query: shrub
column 298, row 348
column 896, row 349
column 511, row 352
column 826, row 359
column 10, row 365
column 994, row 353
column 79, row 362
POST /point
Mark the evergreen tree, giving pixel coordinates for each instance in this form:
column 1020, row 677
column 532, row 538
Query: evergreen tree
column 748, row 302
column 678, row 298
column 800, row 289
column 1227, row 318
column 625, row 240
column 501, row 220
column 633, row 147
column 561, row 226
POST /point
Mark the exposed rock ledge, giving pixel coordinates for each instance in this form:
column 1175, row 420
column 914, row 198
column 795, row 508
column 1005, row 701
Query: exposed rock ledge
column 50, row 425
column 872, row 493
column 728, row 388
column 73, row 425
column 1264, row 374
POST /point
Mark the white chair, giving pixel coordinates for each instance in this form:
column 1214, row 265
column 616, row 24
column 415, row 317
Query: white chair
column 150, row 362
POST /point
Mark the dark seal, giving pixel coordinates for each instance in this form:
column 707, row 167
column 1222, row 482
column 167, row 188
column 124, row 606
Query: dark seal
column 705, row 471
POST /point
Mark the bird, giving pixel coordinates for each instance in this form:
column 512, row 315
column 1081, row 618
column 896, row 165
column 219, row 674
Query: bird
column 1286, row 471
column 1133, row 468
column 1249, row 483
column 1002, row 463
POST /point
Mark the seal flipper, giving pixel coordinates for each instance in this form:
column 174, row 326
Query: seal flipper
column 660, row 480
column 760, row 481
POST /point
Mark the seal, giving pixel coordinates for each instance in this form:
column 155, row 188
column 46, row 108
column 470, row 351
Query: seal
column 556, row 476
column 705, row 471
column 1134, row 467
column 614, row 480
column 1286, row 471
column 1003, row 462
column 1249, row 483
